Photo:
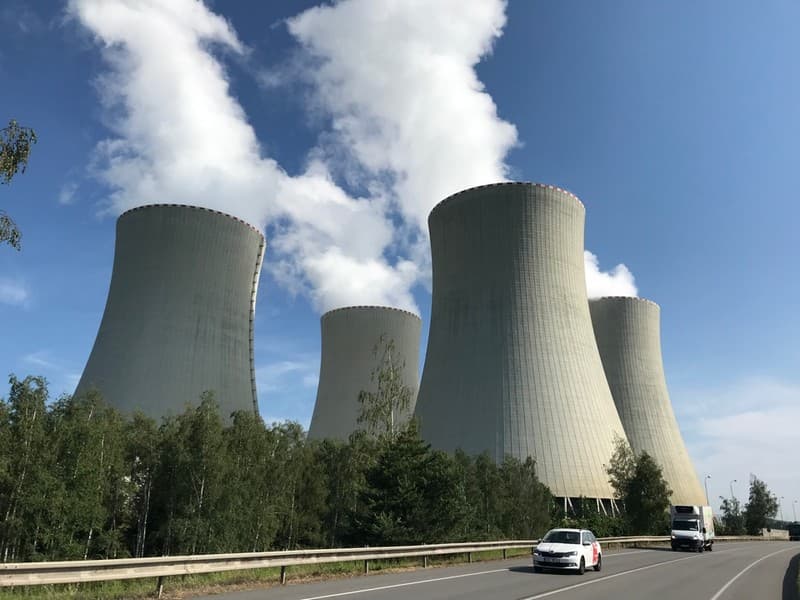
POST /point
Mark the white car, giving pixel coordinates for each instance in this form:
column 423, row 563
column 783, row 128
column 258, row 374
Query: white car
column 575, row 549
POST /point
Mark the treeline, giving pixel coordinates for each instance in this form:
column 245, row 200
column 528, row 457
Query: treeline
column 756, row 515
column 77, row 480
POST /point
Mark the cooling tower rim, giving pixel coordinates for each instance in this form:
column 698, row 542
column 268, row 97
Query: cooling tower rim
column 203, row 208
column 508, row 183
column 361, row 307
column 625, row 298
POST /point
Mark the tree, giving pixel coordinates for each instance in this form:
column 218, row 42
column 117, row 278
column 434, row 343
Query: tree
column 621, row 467
column 412, row 495
column 638, row 482
column 15, row 147
column 525, row 501
column 24, row 483
column 385, row 411
column 732, row 517
column 761, row 506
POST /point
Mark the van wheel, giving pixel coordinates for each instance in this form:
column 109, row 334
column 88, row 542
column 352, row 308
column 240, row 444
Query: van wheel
column 582, row 567
column 599, row 564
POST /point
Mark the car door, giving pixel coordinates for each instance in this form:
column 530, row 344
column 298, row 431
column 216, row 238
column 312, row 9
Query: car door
column 590, row 552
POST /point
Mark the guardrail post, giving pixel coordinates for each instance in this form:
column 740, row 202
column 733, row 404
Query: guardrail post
column 159, row 586
column 504, row 553
column 283, row 574
column 425, row 561
column 469, row 557
column 366, row 567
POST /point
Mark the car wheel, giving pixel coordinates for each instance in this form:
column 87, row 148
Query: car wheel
column 582, row 567
column 599, row 564
column 701, row 549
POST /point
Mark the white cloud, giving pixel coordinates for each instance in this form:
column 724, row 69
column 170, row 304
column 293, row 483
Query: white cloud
column 14, row 293
column 39, row 359
column 399, row 83
column 409, row 123
column 66, row 194
column 61, row 379
column 280, row 374
column 181, row 137
column 619, row 281
column 748, row 426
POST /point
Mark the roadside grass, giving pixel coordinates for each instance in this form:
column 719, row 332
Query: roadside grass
column 184, row 586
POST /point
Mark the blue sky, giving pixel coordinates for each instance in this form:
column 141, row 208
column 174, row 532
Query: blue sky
column 337, row 129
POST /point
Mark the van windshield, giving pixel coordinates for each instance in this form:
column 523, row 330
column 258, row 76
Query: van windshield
column 684, row 525
column 563, row 537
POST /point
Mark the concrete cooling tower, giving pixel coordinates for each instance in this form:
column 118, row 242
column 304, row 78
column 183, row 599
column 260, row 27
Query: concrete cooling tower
column 628, row 337
column 353, row 341
column 179, row 316
column 512, row 366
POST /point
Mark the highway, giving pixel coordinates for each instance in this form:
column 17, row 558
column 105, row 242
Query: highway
column 733, row 571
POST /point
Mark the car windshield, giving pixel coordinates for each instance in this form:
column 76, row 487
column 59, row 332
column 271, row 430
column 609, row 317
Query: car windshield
column 563, row 537
column 684, row 525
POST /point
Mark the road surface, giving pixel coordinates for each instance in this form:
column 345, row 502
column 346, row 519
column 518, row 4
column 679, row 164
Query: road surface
column 733, row 571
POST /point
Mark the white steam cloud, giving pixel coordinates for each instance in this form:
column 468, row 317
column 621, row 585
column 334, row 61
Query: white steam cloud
column 617, row 282
column 398, row 80
column 410, row 123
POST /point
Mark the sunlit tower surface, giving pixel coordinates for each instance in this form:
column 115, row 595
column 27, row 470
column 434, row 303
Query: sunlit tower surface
column 629, row 339
column 180, row 312
column 354, row 341
column 512, row 366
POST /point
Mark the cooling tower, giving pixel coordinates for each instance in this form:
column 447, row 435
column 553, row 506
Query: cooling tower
column 354, row 341
column 628, row 337
column 179, row 316
column 512, row 366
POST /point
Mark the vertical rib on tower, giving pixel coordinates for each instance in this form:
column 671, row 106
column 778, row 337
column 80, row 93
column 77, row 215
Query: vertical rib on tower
column 512, row 366
column 180, row 311
column 628, row 337
column 350, row 338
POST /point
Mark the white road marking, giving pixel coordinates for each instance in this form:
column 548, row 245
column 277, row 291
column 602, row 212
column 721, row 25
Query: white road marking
column 745, row 570
column 435, row 579
column 397, row 585
column 614, row 576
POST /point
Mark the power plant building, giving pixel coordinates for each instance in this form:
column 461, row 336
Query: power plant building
column 629, row 340
column 180, row 311
column 356, row 342
column 512, row 366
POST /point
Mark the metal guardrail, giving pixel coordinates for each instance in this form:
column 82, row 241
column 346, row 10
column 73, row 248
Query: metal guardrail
column 79, row 571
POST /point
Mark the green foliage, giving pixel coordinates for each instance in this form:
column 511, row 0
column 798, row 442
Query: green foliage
column 761, row 506
column 385, row 411
column 15, row 148
column 640, row 486
column 732, row 522
column 524, row 500
column 412, row 494
column 586, row 514
column 77, row 480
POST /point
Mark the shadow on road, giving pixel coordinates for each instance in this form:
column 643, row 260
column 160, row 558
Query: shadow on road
column 547, row 571
column 522, row 569
column 790, row 580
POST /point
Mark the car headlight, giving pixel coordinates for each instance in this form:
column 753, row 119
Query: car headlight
column 573, row 553
column 673, row 537
column 536, row 553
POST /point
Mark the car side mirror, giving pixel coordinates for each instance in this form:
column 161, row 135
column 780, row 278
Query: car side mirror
column 704, row 530
column 587, row 543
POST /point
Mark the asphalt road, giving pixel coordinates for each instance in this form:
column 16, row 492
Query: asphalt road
column 733, row 571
